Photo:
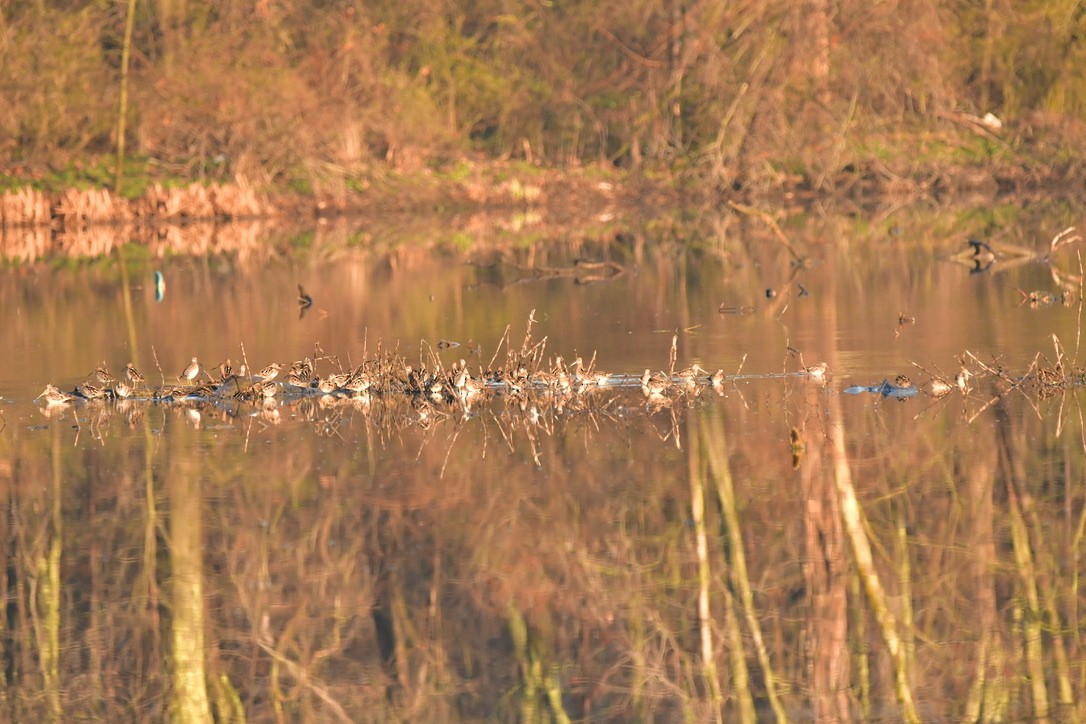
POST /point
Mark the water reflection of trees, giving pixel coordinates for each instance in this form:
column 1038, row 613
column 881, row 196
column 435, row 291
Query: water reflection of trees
column 360, row 563
column 517, row 577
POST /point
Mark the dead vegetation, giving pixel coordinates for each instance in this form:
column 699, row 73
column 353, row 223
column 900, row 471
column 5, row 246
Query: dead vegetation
column 816, row 97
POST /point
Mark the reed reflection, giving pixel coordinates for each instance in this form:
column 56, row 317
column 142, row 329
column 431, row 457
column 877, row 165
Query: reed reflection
column 663, row 549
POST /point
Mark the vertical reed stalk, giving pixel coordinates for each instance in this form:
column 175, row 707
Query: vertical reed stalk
column 190, row 696
column 701, row 543
column 537, row 678
column 518, row 631
column 740, row 675
column 1076, row 556
column 7, row 634
column 49, row 593
column 150, row 528
column 1031, row 622
column 852, row 516
column 904, row 579
column 1049, row 597
column 712, row 433
column 122, row 106
column 228, row 705
column 863, row 658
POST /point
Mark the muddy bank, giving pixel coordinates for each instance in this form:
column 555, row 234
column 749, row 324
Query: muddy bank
column 577, row 191
column 562, row 197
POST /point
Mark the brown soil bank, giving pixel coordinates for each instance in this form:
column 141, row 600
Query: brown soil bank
column 567, row 192
column 561, row 194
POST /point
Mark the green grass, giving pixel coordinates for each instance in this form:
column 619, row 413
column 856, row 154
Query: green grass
column 93, row 172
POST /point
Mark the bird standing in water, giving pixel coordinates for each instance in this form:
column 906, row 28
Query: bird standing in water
column 654, row 386
column 269, row 373
column 53, row 396
column 191, row 371
column 91, row 392
column 104, row 376
column 133, row 374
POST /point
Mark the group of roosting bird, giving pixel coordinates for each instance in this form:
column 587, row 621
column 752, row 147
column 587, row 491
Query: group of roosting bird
column 385, row 374
column 133, row 384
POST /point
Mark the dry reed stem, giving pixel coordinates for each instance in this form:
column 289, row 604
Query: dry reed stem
column 1023, row 559
column 713, row 439
column 25, row 207
column 1048, row 597
column 1063, row 238
column 1076, row 548
column 696, row 470
column 862, row 656
column 853, row 519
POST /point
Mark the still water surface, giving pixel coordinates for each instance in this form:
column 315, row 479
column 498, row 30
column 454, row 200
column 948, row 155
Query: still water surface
column 599, row 557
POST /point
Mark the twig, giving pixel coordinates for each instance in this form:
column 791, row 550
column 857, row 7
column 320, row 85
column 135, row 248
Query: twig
column 497, row 349
column 1078, row 325
column 1063, row 239
column 154, row 356
column 245, row 361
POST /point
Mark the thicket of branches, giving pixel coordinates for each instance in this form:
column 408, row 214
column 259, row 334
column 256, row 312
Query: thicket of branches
column 310, row 90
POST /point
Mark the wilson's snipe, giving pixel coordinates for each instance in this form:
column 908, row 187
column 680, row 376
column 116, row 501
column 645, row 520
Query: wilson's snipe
column 467, row 386
column 133, row 374
column 359, row 383
column 53, row 396
column 270, row 372
column 226, row 368
column 91, row 392
column 690, row 375
column 104, row 376
column 190, row 372
column 298, row 380
column 653, row 386
column 171, row 393
column 301, row 373
column 339, row 380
